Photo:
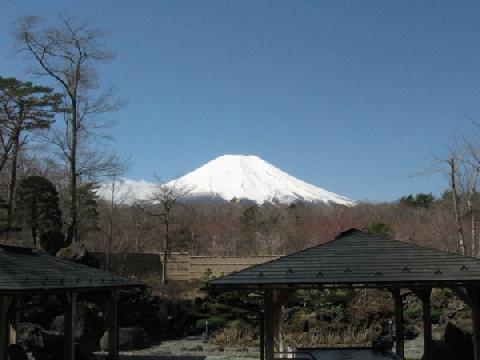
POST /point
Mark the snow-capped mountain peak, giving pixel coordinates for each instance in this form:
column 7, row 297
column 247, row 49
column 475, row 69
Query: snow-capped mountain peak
column 250, row 177
column 244, row 177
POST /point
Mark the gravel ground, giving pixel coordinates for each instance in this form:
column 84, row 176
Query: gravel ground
column 414, row 348
column 190, row 349
column 196, row 349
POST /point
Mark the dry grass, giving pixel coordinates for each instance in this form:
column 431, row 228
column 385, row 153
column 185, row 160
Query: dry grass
column 328, row 338
column 234, row 336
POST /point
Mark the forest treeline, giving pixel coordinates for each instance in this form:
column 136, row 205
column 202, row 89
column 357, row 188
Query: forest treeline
column 55, row 153
column 236, row 229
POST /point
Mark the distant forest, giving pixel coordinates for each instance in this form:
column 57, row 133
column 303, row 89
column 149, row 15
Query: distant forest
column 54, row 153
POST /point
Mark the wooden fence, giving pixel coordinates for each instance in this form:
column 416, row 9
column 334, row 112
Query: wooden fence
column 186, row 267
column 180, row 267
column 138, row 264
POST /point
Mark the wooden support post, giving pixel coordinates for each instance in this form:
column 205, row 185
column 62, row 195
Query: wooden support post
column 475, row 309
column 69, row 326
column 277, row 322
column 424, row 295
column 399, row 341
column 113, row 346
column 4, row 305
column 262, row 337
column 268, row 324
column 14, row 321
column 273, row 321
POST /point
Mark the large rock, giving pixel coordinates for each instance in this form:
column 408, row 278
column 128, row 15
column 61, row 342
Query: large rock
column 41, row 310
column 30, row 336
column 16, row 352
column 129, row 338
column 442, row 351
column 383, row 344
column 88, row 328
column 43, row 344
column 458, row 337
column 79, row 254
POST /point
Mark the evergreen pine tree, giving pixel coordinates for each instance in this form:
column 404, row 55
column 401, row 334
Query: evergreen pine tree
column 38, row 206
column 24, row 107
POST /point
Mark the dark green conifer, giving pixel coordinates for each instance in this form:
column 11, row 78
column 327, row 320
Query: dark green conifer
column 38, row 206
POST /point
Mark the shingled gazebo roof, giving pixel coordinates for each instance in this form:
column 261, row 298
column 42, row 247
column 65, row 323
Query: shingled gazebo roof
column 24, row 270
column 355, row 258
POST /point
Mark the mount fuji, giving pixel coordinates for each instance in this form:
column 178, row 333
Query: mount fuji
column 239, row 177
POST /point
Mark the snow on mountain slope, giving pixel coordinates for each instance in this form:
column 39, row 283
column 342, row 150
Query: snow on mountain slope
column 243, row 177
column 249, row 177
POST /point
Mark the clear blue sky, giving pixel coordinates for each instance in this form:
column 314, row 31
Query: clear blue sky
column 351, row 96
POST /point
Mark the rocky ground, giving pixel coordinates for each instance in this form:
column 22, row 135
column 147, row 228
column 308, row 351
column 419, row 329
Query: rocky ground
column 414, row 348
column 190, row 349
column 196, row 349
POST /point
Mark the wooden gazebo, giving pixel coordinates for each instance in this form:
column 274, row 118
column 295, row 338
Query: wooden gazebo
column 355, row 259
column 24, row 271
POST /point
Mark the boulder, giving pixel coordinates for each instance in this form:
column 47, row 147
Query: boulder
column 16, row 352
column 43, row 344
column 446, row 316
column 78, row 253
column 442, row 351
column 88, row 327
column 410, row 331
column 458, row 337
column 288, row 313
column 129, row 338
column 383, row 344
column 41, row 310
column 30, row 336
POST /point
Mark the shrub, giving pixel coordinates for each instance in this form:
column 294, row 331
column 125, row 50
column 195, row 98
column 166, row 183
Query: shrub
column 337, row 297
column 214, row 323
column 414, row 311
column 436, row 314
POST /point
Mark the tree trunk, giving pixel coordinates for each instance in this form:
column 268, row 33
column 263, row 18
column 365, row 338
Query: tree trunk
column 194, row 244
column 166, row 249
column 110, row 226
column 136, row 222
column 445, row 230
column 34, row 222
column 13, row 184
column 472, row 226
column 109, row 244
column 72, row 232
column 456, row 210
column 7, row 148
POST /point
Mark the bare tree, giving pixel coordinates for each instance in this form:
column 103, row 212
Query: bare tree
column 473, row 171
column 469, row 182
column 67, row 53
column 117, row 198
column 138, row 224
column 451, row 167
column 160, row 205
column 453, row 162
